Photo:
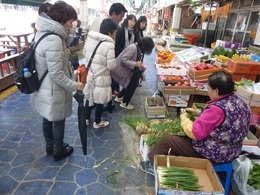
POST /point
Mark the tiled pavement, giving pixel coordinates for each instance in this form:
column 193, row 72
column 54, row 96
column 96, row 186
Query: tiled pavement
column 112, row 159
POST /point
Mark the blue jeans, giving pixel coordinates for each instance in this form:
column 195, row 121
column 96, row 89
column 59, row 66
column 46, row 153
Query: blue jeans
column 53, row 132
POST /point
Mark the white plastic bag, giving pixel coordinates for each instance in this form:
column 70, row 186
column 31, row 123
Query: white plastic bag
column 240, row 177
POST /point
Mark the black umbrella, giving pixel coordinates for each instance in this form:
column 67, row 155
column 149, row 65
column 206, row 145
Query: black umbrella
column 134, row 82
column 79, row 97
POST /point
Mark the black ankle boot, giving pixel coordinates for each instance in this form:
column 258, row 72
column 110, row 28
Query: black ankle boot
column 67, row 151
column 49, row 151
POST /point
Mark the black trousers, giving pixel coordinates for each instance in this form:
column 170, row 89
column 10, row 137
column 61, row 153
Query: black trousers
column 98, row 111
column 53, row 132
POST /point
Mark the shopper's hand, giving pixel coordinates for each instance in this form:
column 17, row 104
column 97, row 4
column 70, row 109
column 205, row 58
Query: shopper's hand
column 80, row 86
column 138, row 64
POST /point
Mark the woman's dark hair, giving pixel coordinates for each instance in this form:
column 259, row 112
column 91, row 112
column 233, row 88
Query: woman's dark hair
column 221, row 81
column 45, row 7
column 146, row 45
column 62, row 12
column 139, row 21
column 130, row 17
column 108, row 26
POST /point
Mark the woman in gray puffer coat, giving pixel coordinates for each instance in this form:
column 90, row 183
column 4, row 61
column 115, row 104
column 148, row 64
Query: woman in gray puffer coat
column 53, row 100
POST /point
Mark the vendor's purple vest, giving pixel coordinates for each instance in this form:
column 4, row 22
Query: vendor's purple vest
column 225, row 142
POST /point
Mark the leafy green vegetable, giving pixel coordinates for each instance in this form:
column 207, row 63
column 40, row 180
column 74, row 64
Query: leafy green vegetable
column 153, row 138
column 162, row 128
column 254, row 176
column 243, row 82
column 178, row 177
column 133, row 120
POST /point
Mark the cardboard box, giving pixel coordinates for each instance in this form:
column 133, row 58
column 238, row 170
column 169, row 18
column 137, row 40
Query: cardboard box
column 250, row 139
column 155, row 107
column 200, row 86
column 143, row 148
column 177, row 100
column 187, row 90
column 203, row 93
column 172, row 78
column 203, row 169
column 243, row 66
column 170, row 70
column 251, row 149
column 248, row 96
column 239, row 76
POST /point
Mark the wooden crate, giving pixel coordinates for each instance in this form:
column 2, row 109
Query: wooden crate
column 243, row 66
column 155, row 107
column 239, row 76
column 200, row 75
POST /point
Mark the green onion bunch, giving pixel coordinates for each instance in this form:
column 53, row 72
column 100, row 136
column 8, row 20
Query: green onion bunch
column 178, row 178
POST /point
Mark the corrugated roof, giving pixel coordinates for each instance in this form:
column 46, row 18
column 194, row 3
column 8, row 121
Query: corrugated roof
column 24, row 2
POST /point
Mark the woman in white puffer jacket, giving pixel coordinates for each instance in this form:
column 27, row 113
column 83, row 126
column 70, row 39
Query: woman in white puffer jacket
column 98, row 88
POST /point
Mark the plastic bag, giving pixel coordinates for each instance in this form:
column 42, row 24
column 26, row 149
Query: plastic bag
column 240, row 177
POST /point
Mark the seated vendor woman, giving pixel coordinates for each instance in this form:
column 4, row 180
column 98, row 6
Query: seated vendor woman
column 218, row 132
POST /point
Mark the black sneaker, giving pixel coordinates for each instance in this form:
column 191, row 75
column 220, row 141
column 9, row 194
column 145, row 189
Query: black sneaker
column 147, row 167
column 49, row 151
column 67, row 151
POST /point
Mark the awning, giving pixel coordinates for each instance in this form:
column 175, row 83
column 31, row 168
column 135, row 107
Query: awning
column 36, row 3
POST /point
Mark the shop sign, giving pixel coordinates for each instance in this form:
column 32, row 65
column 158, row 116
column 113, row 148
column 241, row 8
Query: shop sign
column 166, row 13
column 154, row 11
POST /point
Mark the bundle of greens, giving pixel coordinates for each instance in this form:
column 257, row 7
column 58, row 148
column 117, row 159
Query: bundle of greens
column 165, row 127
column 178, row 178
column 254, row 176
column 169, row 126
column 153, row 138
column 133, row 120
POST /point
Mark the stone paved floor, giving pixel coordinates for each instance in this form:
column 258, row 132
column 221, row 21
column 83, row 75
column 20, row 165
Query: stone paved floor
column 25, row 168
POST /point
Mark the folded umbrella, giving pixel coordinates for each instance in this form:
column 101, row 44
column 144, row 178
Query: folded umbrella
column 79, row 97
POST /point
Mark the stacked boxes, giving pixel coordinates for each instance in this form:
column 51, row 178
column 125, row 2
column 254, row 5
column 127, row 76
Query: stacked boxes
column 242, row 69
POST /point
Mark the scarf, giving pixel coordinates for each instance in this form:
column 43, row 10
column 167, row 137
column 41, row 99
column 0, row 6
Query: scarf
column 129, row 36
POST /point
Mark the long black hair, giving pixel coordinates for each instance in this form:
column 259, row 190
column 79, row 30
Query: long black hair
column 139, row 21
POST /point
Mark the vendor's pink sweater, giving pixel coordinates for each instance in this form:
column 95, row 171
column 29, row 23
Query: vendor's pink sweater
column 210, row 118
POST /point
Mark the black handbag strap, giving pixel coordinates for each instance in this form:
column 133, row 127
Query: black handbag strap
column 93, row 54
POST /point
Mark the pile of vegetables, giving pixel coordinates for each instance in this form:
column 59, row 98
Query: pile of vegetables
column 156, row 128
column 178, row 178
column 254, row 175
column 134, row 120
column 220, row 50
column 165, row 127
column 243, row 82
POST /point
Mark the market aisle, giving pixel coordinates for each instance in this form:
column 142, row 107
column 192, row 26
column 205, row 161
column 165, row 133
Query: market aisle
column 112, row 157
